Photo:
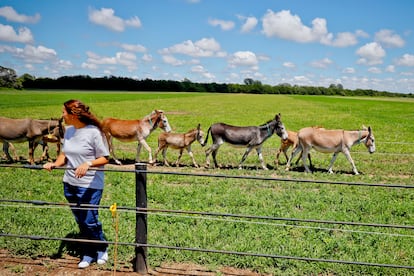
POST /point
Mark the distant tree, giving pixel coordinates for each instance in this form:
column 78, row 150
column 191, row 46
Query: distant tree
column 8, row 78
column 248, row 81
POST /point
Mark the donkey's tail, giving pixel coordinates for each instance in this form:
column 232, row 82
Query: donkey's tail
column 205, row 140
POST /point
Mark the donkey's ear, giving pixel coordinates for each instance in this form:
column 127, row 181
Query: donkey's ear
column 278, row 116
column 369, row 129
column 198, row 127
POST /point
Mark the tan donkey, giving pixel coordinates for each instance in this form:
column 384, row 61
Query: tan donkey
column 328, row 141
column 179, row 141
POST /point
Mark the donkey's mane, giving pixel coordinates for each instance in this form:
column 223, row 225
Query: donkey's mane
column 268, row 122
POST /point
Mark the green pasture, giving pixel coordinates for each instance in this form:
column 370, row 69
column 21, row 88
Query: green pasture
column 392, row 164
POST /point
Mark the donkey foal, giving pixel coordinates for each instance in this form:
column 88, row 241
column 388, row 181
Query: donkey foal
column 179, row 141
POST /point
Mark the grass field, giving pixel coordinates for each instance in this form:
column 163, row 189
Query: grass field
column 390, row 118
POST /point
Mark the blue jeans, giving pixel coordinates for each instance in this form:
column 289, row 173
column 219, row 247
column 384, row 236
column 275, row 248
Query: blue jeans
column 87, row 218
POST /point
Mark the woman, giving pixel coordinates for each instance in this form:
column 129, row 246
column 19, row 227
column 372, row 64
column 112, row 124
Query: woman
column 84, row 147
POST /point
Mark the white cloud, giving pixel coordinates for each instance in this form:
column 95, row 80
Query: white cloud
column 64, row 64
column 11, row 15
column 349, row 70
column 206, row 47
column 31, row 54
column 126, row 59
column 371, row 54
column 171, row 60
column 284, row 25
column 249, row 24
column 323, row 63
column 133, row 22
column 342, row 40
column 390, row 69
column 89, row 66
column 244, row 58
column 133, row 48
column 406, row 60
column 8, row 34
column 199, row 69
column 374, row 70
column 224, row 25
column 287, row 26
column 289, row 64
column 106, row 17
column 361, row 33
column 389, row 39
column 147, row 57
column 302, row 80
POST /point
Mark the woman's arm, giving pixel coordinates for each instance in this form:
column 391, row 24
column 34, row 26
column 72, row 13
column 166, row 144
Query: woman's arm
column 83, row 168
column 60, row 161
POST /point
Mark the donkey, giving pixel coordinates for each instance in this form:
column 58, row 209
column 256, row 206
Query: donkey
column 22, row 130
column 285, row 144
column 335, row 141
column 134, row 130
column 251, row 137
column 179, row 141
column 53, row 137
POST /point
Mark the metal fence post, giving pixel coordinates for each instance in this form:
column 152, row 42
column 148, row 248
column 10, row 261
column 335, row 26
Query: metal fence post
column 140, row 265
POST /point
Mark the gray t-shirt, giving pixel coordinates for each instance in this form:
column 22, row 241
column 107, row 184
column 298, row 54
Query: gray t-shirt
column 82, row 145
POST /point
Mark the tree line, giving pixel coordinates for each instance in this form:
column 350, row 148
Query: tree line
column 9, row 79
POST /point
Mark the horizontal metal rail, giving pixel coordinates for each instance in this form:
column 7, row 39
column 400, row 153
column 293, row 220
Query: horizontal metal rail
column 297, row 258
column 211, row 214
column 247, row 177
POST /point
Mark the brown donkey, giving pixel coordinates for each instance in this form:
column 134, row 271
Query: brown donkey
column 134, row 130
column 179, row 141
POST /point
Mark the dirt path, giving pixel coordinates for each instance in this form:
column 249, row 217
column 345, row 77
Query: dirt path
column 67, row 265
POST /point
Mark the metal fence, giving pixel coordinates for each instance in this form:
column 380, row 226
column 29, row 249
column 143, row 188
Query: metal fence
column 141, row 210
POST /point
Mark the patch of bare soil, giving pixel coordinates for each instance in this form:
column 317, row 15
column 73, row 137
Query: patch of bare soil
column 67, row 265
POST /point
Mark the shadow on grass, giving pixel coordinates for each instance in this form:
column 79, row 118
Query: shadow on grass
column 72, row 248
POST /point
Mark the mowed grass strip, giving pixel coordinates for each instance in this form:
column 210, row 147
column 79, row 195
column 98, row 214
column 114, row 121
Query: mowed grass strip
column 392, row 163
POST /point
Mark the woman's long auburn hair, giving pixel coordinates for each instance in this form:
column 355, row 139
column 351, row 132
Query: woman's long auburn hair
column 81, row 110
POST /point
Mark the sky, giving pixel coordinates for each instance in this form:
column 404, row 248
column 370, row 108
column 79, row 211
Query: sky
column 360, row 44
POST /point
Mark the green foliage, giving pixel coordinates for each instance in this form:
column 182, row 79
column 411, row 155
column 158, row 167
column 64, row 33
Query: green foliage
column 8, row 78
column 251, row 86
column 390, row 118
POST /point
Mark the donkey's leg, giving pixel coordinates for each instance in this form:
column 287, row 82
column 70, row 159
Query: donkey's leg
column 141, row 143
column 213, row 151
column 259, row 154
column 6, row 150
column 208, row 152
column 297, row 160
column 246, row 153
column 310, row 161
column 112, row 151
column 214, row 154
column 156, row 153
column 45, row 151
column 192, row 156
column 305, row 153
column 278, row 154
column 295, row 151
column 348, row 156
column 32, row 147
column 164, row 156
column 332, row 162
column 179, row 157
column 13, row 149
column 285, row 153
